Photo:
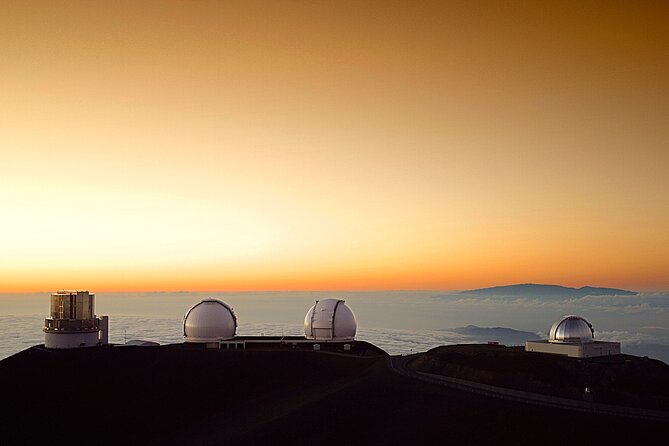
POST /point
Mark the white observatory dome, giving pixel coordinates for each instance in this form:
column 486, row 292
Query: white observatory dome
column 330, row 320
column 209, row 321
column 572, row 329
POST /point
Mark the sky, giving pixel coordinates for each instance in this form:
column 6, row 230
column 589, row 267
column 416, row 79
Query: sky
column 294, row 145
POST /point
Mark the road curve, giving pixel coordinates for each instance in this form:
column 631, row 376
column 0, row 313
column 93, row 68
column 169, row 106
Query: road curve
column 399, row 365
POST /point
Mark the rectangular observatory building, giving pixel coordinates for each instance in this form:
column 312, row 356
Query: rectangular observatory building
column 584, row 350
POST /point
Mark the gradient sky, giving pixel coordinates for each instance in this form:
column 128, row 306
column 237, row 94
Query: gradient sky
column 333, row 145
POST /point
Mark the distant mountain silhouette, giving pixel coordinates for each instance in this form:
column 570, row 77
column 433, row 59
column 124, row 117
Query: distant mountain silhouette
column 500, row 334
column 549, row 291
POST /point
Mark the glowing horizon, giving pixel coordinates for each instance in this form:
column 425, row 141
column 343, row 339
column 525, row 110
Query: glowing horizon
column 310, row 146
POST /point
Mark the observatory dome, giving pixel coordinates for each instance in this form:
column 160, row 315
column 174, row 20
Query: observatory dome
column 330, row 320
column 209, row 321
column 572, row 329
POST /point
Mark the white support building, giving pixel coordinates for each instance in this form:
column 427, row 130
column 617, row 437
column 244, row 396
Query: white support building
column 73, row 323
column 573, row 336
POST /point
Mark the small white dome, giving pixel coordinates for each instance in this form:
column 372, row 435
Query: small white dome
column 330, row 320
column 209, row 321
column 572, row 329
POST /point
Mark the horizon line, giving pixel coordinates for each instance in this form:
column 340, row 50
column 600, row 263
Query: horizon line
column 247, row 291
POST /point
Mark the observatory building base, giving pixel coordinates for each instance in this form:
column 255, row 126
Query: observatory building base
column 60, row 339
column 575, row 350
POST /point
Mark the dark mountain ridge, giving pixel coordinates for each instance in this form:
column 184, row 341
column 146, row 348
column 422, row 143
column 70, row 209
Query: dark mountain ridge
column 612, row 379
column 548, row 291
column 499, row 334
column 187, row 394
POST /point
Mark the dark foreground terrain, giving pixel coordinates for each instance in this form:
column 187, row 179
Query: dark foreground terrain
column 623, row 380
column 177, row 394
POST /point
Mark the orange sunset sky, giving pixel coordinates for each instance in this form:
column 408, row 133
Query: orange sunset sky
column 333, row 145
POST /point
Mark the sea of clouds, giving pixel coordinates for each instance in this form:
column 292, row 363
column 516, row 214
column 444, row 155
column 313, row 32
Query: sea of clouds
column 399, row 322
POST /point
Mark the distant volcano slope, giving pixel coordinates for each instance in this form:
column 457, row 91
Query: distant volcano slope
column 533, row 290
column 474, row 334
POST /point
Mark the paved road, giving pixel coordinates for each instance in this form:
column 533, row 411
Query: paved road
column 399, row 365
